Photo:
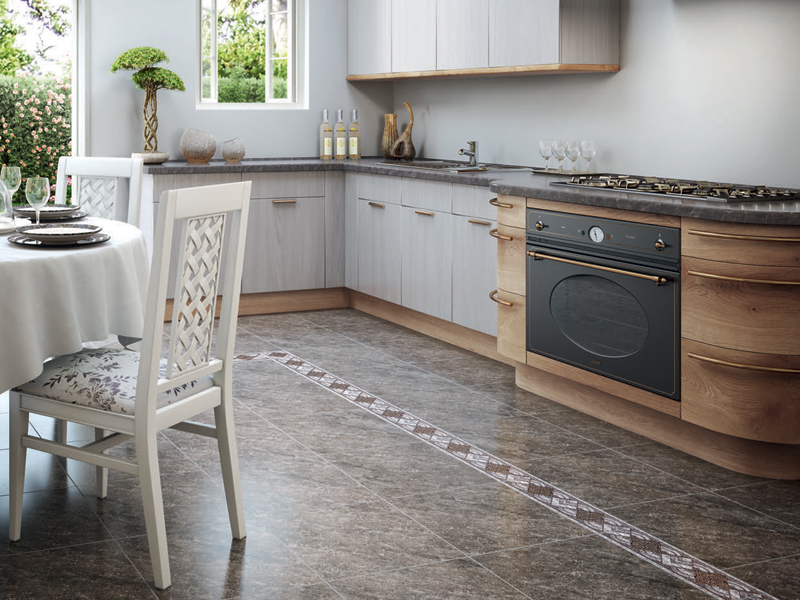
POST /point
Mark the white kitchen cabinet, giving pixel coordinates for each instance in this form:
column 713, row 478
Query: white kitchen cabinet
column 351, row 230
column 379, row 256
column 369, row 36
column 285, row 247
column 474, row 273
column 541, row 32
column 473, row 201
column 335, row 215
column 427, row 262
column 430, row 195
column 413, row 35
column 462, row 34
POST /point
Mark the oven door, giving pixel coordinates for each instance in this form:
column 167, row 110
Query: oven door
column 613, row 318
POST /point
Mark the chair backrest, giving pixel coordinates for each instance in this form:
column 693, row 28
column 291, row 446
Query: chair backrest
column 206, row 218
column 104, row 187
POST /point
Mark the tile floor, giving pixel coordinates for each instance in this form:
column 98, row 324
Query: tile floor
column 385, row 464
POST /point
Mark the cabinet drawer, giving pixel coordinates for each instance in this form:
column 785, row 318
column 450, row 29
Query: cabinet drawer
column 473, row 201
column 745, row 244
column 379, row 188
column 744, row 394
column 743, row 307
column 286, row 185
column 510, row 210
column 510, row 325
column 430, row 195
column 511, row 259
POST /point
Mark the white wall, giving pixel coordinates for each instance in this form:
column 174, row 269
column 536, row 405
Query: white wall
column 708, row 89
column 115, row 117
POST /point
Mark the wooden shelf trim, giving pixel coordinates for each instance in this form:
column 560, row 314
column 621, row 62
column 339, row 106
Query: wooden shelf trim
column 554, row 68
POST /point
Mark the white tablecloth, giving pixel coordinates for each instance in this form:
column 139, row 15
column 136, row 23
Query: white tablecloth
column 53, row 299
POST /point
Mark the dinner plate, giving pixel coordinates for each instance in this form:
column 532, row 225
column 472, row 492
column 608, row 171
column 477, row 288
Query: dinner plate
column 48, row 211
column 59, row 233
column 23, row 240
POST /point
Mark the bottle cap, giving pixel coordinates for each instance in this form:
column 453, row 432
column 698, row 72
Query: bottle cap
column 355, row 114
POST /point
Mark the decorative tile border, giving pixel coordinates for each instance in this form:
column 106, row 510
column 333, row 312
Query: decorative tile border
column 686, row 567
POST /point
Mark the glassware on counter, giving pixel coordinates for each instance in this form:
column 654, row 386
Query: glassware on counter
column 559, row 151
column 546, row 151
column 587, row 152
column 573, row 152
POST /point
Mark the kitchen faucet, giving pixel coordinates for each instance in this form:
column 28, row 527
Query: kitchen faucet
column 472, row 153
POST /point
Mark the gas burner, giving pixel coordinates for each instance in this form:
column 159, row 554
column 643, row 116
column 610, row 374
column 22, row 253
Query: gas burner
column 683, row 188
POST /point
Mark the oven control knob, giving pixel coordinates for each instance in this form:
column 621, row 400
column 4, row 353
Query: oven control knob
column 596, row 234
column 539, row 225
column 660, row 245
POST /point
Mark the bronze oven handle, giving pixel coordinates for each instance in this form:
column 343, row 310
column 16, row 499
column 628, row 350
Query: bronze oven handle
column 494, row 298
column 498, row 204
column 725, row 363
column 500, row 236
column 655, row 278
column 742, row 280
column 747, row 238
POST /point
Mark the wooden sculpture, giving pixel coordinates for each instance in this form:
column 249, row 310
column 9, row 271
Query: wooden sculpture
column 404, row 148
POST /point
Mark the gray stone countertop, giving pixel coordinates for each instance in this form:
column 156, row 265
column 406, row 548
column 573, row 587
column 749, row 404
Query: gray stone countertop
column 521, row 182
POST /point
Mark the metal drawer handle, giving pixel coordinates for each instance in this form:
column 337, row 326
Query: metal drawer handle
column 748, row 238
column 500, row 236
column 427, row 213
column 476, row 222
column 377, row 204
column 742, row 279
column 284, row 201
column 494, row 298
column 655, row 278
column 498, row 204
column 725, row 363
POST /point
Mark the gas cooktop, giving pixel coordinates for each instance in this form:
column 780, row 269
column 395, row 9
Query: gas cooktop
column 682, row 188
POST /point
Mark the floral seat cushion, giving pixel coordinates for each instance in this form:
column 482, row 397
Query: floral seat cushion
column 102, row 378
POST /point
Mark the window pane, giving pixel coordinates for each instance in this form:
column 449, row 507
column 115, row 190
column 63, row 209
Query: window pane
column 241, row 53
column 279, row 79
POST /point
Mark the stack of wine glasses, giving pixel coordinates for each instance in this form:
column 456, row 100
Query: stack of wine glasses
column 569, row 149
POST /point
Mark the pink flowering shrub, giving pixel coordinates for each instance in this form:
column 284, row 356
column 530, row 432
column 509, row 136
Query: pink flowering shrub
column 35, row 128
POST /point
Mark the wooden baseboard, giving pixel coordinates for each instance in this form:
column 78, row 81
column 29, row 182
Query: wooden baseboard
column 474, row 341
column 761, row 459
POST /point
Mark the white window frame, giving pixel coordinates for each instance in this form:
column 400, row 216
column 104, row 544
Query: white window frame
column 297, row 71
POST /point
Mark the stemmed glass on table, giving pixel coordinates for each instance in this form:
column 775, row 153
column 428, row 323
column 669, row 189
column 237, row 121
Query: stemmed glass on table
column 572, row 152
column 37, row 191
column 587, row 152
column 12, row 177
column 559, row 151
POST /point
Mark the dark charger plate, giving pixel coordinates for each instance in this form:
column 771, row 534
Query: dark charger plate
column 22, row 240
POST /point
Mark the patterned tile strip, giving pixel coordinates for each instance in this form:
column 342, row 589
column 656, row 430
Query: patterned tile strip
column 686, row 567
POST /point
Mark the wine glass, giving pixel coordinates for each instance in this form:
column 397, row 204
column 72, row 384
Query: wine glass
column 559, row 151
column 12, row 177
column 37, row 191
column 587, row 152
column 573, row 152
column 546, row 151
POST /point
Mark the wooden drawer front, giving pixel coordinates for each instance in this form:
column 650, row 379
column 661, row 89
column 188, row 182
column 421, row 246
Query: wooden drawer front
column 510, row 210
column 511, row 259
column 746, row 244
column 430, row 195
column 737, row 398
column 286, row 185
column 473, row 201
column 379, row 188
column 510, row 325
column 742, row 315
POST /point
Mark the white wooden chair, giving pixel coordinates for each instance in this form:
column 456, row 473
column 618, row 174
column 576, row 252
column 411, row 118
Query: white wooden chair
column 110, row 188
column 139, row 394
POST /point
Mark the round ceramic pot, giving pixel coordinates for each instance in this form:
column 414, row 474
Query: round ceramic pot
column 198, row 146
column 233, row 150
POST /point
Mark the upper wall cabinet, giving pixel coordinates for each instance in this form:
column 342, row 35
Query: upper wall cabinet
column 369, row 36
column 446, row 38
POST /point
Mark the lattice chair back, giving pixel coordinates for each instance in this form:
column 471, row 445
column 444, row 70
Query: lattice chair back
column 110, row 188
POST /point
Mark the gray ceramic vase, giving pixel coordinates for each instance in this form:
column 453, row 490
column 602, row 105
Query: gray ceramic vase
column 233, row 150
column 198, row 146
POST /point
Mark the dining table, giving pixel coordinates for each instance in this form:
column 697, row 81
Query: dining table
column 53, row 299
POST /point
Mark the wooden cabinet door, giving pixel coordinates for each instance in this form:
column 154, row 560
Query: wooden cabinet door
column 413, row 35
column 369, row 37
column 285, row 247
column 427, row 262
column 523, row 32
column 474, row 274
column 379, row 257
column 462, row 34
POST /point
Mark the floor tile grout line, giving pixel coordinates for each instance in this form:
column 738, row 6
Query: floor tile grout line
column 704, row 576
column 767, row 560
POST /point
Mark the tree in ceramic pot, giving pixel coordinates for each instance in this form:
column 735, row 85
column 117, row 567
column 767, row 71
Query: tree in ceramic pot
column 149, row 78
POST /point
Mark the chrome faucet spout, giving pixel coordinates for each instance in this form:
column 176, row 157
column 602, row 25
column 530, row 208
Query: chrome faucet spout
column 472, row 153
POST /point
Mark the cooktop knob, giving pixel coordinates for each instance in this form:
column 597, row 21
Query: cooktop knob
column 539, row 225
column 660, row 245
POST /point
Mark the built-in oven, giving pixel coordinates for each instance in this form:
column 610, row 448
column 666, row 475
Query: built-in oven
column 604, row 295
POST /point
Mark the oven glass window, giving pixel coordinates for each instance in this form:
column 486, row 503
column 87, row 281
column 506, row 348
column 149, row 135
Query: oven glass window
column 599, row 316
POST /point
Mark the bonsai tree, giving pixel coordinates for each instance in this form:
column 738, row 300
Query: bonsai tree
column 150, row 79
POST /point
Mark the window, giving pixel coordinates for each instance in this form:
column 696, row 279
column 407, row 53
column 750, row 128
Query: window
column 250, row 52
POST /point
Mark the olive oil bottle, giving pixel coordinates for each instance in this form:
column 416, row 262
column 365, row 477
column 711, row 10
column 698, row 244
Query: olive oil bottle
column 325, row 137
column 354, row 137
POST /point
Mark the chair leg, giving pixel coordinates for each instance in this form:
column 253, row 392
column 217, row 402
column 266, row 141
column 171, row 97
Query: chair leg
column 101, row 479
column 229, row 459
column 18, row 426
column 153, row 503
